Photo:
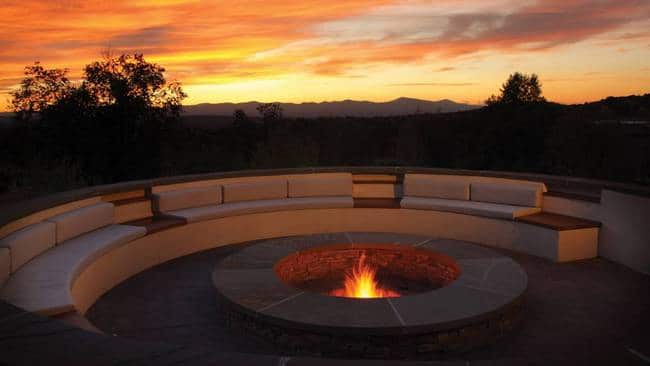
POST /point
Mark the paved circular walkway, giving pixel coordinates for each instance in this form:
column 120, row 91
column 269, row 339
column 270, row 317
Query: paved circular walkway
column 590, row 311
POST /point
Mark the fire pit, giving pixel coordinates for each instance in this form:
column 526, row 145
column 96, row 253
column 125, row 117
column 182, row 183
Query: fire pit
column 367, row 270
column 366, row 300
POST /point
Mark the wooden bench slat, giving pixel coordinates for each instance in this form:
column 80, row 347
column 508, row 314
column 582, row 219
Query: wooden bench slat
column 558, row 222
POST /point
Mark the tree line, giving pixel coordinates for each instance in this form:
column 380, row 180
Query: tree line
column 123, row 121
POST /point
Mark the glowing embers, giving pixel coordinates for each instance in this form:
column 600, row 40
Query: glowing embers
column 366, row 271
column 361, row 283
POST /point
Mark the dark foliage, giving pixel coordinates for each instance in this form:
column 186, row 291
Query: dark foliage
column 101, row 130
column 518, row 89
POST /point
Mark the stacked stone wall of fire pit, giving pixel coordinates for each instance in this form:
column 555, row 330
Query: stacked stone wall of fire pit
column 430, row 345
column 268, row 289
column 407, row 270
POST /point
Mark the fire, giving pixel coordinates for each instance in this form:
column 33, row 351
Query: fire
column 361, row 283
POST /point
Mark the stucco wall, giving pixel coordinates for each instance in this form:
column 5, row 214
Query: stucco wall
column 625, row 234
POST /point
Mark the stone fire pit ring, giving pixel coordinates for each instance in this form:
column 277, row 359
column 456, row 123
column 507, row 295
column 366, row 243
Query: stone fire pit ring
column 479, row 301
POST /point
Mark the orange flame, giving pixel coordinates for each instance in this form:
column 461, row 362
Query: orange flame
column 361, row 283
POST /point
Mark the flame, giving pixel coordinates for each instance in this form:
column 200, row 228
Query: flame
column 361, row 283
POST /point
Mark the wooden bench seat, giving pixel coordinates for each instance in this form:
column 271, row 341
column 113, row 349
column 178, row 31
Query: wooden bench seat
column 558, row 222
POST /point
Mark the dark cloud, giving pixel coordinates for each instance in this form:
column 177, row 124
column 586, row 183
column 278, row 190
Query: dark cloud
column 546, row 24
column 145, row 37
column 433, row 84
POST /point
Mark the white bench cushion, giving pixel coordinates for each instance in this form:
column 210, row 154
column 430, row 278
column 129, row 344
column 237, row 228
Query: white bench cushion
column 263, row 190
column 43, row 284
column 5, row 265
column 80, row 221
column 320, row 185
column 185, row 198
column 437, row 186
column 509, row 194
column 29, row 242
column 250, row 207
column 485, row 209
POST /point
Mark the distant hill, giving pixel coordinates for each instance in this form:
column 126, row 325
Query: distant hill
column 345, row 108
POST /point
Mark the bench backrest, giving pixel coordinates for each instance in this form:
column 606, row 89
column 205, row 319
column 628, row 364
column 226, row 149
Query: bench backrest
column 507, row 193
column 80, row 221
column 29, row 242
column 480, row 189
column 252, row 191
column 320, row 185
column 186, row 198
column 450, row 187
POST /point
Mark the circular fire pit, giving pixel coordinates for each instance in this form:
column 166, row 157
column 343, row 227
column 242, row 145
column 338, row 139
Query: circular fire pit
column 367, row 270
column 443, row 297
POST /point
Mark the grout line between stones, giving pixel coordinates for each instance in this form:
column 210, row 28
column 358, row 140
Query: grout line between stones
column 423, row 242
column 281, row 301
column 504, row 293
column 639, row 354
column 397, row 314
column 487, row 272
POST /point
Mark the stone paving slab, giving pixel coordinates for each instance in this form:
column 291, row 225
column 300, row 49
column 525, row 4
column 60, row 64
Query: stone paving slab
column 265, row 253
column 460, row 249
column 446, row 307
column 243, row 287
column 309, row 311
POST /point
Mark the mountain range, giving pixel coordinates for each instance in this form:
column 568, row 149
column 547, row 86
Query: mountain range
column 349, row 108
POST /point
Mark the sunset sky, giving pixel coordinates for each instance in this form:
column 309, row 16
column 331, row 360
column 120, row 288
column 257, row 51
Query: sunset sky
column 316, row 50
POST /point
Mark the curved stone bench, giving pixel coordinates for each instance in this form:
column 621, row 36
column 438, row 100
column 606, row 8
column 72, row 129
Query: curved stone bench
column 43, row 286
column 42, row 273
column 63, row 263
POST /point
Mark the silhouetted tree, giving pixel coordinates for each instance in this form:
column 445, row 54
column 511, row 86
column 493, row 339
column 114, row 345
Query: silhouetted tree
column 40, row 89
column 245, row 135
column 240, row 118
column 270, row 111
column 131, row 80
column 110, row 122
column 519, row 88
column 271, row 114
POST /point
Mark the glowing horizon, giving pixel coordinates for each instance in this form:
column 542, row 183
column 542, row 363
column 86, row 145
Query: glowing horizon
column 376, row 50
